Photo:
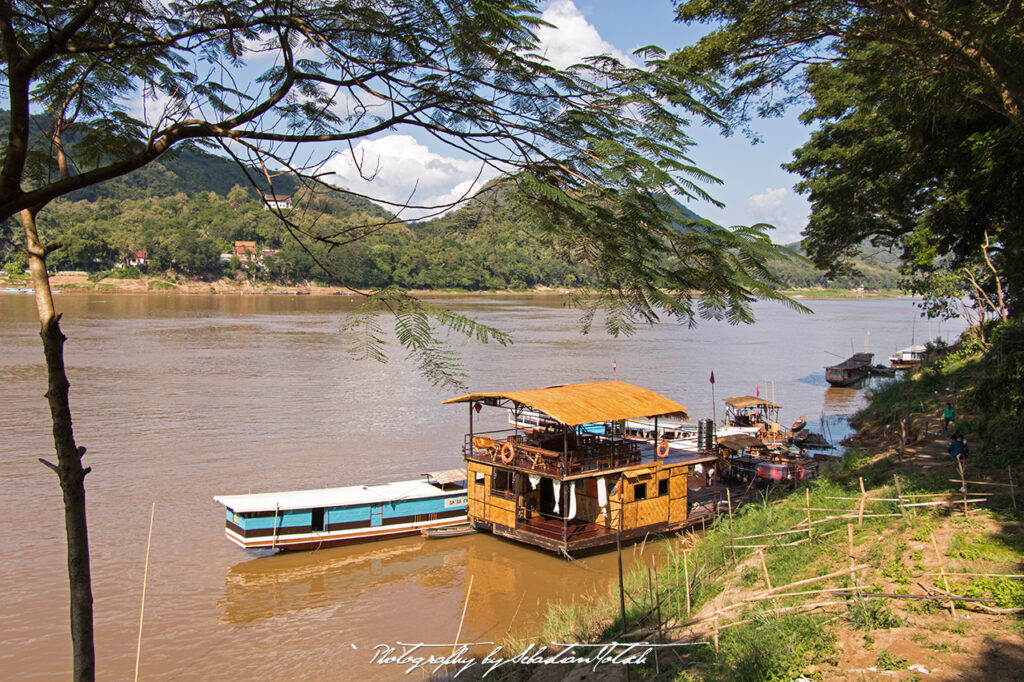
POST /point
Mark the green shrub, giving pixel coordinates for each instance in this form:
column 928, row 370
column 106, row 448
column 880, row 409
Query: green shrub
column 871, row 614
column 773, row 648
column 887, row 661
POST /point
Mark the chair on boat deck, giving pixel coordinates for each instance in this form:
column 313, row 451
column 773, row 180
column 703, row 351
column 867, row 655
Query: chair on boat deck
column 484, row 445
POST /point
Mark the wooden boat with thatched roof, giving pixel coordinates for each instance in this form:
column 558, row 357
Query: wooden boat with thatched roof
column 574, row 480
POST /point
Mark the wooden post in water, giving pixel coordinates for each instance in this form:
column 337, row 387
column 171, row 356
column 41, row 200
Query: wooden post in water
column 732, row 542
column 465, row 606
column 618, row 551
column 145, row 576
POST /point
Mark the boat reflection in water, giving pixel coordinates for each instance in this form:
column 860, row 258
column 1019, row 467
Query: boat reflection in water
column 367, row 594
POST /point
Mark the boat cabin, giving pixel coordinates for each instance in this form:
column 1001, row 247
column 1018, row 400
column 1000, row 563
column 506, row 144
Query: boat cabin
column 748, row 410
column 849, row 371
column 908, row 357
column 574, row 479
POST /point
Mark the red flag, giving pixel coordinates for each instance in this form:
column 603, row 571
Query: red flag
column 615, row 366
column 757, row 391
column 712, row 380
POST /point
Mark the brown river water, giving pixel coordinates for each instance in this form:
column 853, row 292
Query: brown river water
column 179, row 398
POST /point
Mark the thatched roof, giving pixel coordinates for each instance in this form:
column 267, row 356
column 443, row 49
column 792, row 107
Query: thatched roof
column 743, row 401
column 575, row 404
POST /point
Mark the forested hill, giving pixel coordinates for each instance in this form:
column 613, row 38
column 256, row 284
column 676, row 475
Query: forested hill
column 188, row 171
column 185, row 211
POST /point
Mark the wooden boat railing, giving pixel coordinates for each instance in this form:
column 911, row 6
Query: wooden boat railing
column 591, row 453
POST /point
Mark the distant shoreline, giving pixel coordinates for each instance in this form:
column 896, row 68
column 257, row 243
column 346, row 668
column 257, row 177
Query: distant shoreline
column 72, row 283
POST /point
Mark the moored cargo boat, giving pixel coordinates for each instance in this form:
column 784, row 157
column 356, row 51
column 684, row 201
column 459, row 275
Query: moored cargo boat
column 313, row 519
column 849, row 371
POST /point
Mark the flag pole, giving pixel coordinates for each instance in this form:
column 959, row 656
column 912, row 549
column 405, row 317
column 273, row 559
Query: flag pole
column 714, row 411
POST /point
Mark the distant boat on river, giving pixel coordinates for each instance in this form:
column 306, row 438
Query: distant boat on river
column 906, row 358
column 849, row 371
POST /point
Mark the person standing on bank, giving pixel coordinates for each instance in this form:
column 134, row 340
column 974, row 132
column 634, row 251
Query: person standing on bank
column 958, row 448
column 948, row 415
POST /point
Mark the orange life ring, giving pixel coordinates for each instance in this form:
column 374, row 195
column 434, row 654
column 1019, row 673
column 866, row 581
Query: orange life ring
column 800, row 473
column 507, row 453
column 663, row 449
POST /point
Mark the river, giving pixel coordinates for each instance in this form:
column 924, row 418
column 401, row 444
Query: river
column 179, row 398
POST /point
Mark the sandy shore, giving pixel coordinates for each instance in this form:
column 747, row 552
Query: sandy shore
column 78, row 282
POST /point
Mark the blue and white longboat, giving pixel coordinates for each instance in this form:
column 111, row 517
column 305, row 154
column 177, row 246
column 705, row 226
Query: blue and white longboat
column 328, row 517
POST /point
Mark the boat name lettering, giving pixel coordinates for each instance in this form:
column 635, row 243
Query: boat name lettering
column 456, row 502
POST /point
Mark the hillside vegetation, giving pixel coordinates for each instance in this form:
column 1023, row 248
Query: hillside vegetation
column 182, row 216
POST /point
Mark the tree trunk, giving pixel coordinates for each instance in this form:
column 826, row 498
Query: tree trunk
column 69, row 468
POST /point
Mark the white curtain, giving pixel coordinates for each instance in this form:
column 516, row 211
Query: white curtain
column 602, row 494
column 557, row 485
column 534, row 481
column 572, row 501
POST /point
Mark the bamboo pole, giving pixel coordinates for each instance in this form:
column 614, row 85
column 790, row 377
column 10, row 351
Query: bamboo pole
column 828, row 509
column 676, row 568
column 715, row 636
column 899, row 494
column 963, row 483
column 981, row 575
column 728, row 497
column 849, row 539
column 810, row 526
column 942, row 571
column 767, row 578
column 686, row 578
column 804, row 593
column 768, row 535
column 935, row 504
column 145, row 577
column 863, row 499
column 960, row 480
column 458, row 634
column 1013, row 495
column 877, row 499
column 654, row 605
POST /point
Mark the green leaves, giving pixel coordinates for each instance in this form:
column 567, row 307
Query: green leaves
column 417, row 327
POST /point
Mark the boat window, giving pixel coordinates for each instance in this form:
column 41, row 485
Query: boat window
column 318, row 519
column 640, row 491
column 501, row 483
column 259, row 514
column 479, row 477
column 663, row 487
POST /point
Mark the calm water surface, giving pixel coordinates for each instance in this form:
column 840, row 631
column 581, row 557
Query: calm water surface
column 179, row 398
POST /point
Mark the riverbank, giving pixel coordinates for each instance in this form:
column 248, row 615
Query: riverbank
column 862, row 590
column 80, row 282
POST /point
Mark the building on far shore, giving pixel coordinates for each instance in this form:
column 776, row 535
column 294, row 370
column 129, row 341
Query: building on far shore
column 277, row 202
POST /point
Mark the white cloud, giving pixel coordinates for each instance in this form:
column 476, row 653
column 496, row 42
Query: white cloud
column 768, row 206
column 572, row 38
column 399, row 169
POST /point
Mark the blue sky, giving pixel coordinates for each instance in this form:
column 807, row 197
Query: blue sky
column 755, row 188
